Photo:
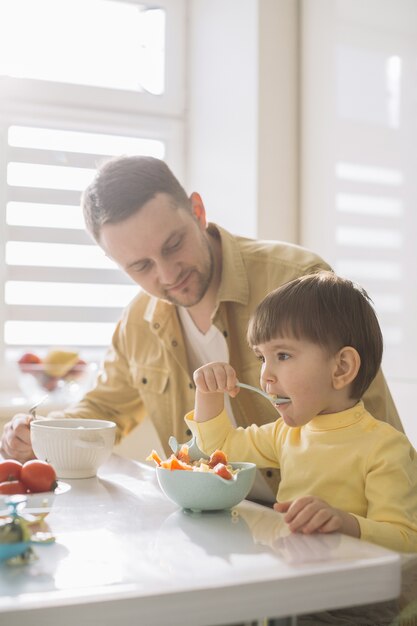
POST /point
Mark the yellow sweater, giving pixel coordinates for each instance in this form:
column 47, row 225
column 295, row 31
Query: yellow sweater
column 349, row 459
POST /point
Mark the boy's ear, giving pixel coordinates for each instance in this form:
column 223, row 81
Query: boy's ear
column 347, row 364
column 197, row 208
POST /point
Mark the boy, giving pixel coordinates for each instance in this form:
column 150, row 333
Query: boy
column 320, row 346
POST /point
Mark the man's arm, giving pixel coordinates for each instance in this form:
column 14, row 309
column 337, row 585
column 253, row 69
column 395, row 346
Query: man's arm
column 379, row 402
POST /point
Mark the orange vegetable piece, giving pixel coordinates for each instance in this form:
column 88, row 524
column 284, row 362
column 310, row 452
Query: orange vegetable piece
column 175, row 464
column 154, row 456
column 182, row 454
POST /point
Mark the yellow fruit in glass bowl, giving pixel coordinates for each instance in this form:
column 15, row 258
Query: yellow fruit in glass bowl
column 62, row 374
column 57, row 363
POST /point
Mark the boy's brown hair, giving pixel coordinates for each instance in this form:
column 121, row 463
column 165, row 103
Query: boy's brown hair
column 122, row 185
column 327, row 310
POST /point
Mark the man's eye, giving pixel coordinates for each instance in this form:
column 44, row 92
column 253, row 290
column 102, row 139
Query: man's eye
column 142, row 267
column 283, row 356
column 176, row 243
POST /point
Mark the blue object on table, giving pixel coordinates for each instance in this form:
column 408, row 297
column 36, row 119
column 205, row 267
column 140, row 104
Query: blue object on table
column 10, row 550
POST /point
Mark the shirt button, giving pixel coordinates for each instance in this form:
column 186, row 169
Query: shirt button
column 156, row 325
column 225, row 333
column 144, row 380
column 174, row 343
column 269, row 473
column 188, row 432
column 191, row 386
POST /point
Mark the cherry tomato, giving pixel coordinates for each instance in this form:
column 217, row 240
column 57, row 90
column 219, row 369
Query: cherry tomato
column 38, row 476
column 218, row 456
column 10, row 470
column 222, row 471
column 28, row 360
column 12, row 487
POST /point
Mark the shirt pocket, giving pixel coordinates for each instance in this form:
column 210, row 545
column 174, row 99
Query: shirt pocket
column 149, row 379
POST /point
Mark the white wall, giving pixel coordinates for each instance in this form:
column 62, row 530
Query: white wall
column 242, row 114
column 360, row 110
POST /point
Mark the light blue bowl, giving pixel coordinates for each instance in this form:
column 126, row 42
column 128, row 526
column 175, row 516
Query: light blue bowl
column 204, row 491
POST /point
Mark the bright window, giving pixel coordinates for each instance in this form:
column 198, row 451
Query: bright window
column 113, row 86
column 106, row 43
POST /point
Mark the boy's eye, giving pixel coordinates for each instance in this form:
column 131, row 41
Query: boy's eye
column 283, row 356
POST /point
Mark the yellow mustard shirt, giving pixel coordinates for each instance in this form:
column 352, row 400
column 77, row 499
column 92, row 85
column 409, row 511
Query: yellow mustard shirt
column 349, row 459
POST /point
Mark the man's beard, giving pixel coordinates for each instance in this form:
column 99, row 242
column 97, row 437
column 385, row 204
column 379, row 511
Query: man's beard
column 202, row 278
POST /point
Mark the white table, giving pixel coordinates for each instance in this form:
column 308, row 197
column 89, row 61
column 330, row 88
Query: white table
column 126, row 555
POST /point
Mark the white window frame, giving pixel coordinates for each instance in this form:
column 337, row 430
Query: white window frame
column 94, row 109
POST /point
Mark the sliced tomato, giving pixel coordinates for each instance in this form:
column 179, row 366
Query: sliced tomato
column 221, row 470
column 10, row 470
column 218, row 456
column 12, row 487
column 38, row 476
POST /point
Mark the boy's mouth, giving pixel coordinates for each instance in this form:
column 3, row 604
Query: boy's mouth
column 278, row 400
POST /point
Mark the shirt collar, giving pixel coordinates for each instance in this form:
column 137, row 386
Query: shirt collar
column 334, row 421
column 234, row 284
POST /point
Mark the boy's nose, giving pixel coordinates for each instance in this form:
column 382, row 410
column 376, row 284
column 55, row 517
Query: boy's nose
column 267, row 376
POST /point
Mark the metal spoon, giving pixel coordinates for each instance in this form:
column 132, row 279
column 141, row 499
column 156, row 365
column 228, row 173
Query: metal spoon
column 272, row 398
column 33, row 408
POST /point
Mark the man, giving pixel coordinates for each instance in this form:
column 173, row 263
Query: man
column 200, row 285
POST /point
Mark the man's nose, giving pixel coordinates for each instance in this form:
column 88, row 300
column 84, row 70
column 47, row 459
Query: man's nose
column 167, row 273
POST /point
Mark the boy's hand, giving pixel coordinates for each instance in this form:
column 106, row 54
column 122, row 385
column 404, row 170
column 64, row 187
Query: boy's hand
column 212, row 381
column 216, row 378
column 309, row 515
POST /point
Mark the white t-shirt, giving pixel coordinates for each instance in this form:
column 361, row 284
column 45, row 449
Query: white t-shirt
column 207, row 347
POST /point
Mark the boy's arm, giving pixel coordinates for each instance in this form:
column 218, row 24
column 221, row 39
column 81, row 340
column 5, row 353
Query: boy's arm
column 391, row 494
column 207, row 406
column 212, row 381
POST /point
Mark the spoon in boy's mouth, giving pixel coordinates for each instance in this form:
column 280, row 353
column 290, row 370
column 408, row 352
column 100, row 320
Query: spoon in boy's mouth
column 271, row 397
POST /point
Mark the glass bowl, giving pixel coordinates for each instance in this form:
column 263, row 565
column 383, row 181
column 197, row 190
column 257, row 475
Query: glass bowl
column 35, row 382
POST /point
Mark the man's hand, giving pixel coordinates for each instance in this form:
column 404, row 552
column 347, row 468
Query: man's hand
column 15, row 442
column 311, row 515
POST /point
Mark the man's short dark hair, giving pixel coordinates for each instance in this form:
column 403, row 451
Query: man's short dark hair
column 123, row 185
